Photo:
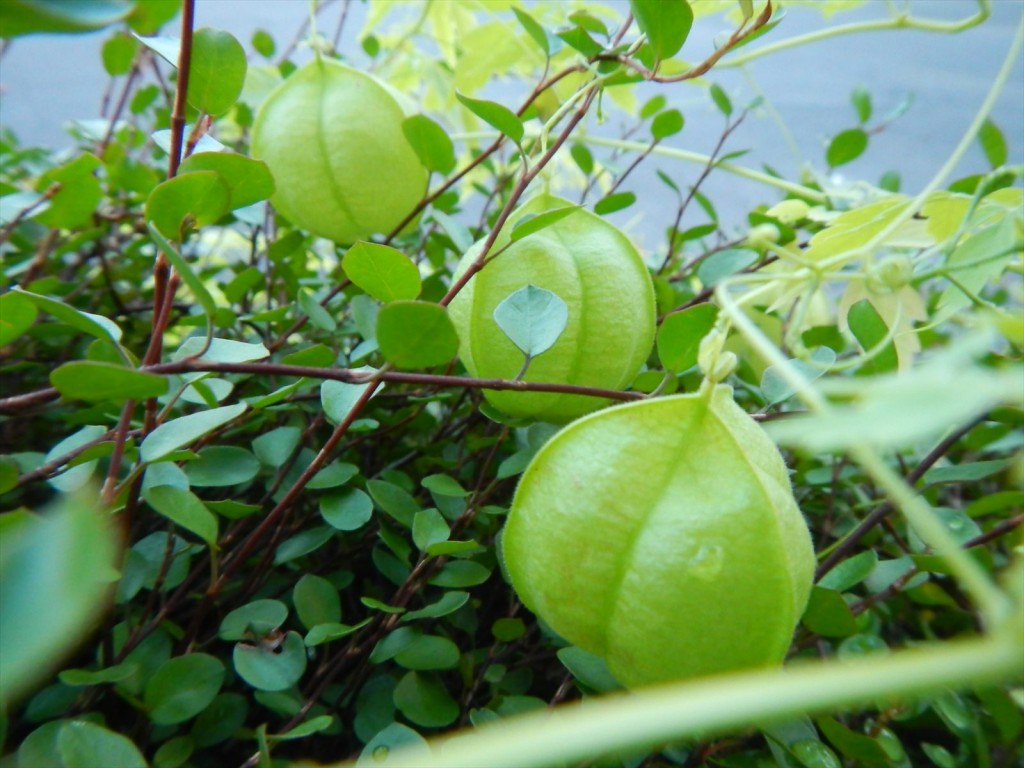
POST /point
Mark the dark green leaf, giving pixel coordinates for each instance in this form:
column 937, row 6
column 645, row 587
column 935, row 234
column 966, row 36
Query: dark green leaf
column 184, row 508
column 105, row 382
column 430, row 142
column 449, row 603
column 302, row 544
column 218, row 71
column 846, row 147
column 222, row 465
column 347, row 511
column 416, row 334
column 316, row 601
column 850, row 572
column 253, row 620
column 82, row 744
column 828, row 615
column 496, row 115
column 183, row 687
column 666, row 23
column 269, row 669
column 428, row 528
column 680, row 334
column 461, row 573
column 870, row 330
column 394, row 738
column 424, row 700
column 383, row 272
column 589, row 669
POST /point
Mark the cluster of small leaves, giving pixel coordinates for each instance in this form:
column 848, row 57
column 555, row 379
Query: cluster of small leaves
column 303, row 554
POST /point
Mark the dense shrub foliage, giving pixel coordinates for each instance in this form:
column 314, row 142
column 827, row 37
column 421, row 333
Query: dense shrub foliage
column 252, row 498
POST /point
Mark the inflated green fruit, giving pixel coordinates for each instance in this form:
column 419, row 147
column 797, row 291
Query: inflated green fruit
column 663, row 536
column 597, row 272
column 332, row 137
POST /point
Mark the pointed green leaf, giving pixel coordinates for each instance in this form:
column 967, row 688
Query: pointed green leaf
column 578, row 38
column 94, row 325
column 846, row 147
column 383, row 272
column 218, row 71
column 614, row 202
column 184, row 508
column 430, row 142
column 496, row 115
column 666, row 23
column 533, row 318
column 533, row 29
column 105, row 382
column 416, row 334
column 993, row 143
column 721, row 99
column 530, row 223
column 178, row 433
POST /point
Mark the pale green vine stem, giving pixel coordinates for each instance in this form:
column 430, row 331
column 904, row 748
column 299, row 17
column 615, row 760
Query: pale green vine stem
column 706, row 708
column 990, row 601
column 900, row 21
column 1005, row 71
column 678, row 154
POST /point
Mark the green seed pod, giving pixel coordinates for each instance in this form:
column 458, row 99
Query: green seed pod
column 332, row 137
column 596, row 271
column 663, row 536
